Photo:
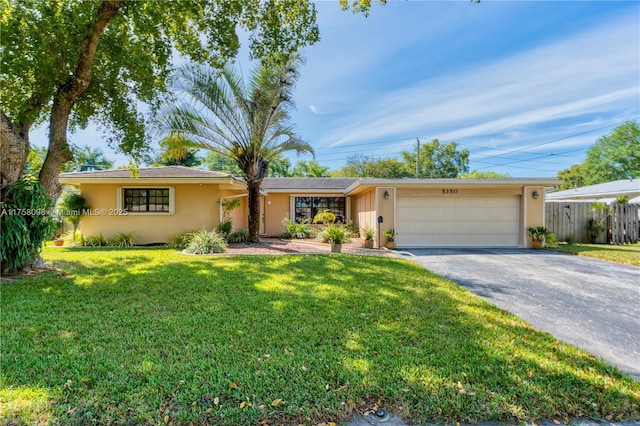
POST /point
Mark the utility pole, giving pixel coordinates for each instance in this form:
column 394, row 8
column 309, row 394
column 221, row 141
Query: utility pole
column 418, row 158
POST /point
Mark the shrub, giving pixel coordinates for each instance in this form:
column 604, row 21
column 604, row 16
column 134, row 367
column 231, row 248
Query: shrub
column 182, row 240
column 333, row 234
column 551, row 240
column 324, row 217
column 205, row 242
column 239, row 236
column 352, row 230
column 94, row 241
column 72, row 239
column 122, row 239
column 225, row 227
column 594, row 228
column 297, row 230
column 22, row 235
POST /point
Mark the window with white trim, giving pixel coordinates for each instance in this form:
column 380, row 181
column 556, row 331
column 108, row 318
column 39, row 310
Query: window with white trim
column 308, row 207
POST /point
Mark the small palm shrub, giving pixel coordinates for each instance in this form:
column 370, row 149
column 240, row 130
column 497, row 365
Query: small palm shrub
column 299, row 230
column 122, row 239
column 239, row 236
column 182, row 240
column 205, row 242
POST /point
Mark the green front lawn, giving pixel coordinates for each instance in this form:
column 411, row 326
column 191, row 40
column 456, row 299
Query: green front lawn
column 628, row 254
column 150, row 336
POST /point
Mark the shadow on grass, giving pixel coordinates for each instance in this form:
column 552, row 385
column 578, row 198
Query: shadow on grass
column 135, row 336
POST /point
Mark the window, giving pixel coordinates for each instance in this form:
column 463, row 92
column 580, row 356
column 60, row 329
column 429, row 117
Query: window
column 146, row 200
column 308, row 207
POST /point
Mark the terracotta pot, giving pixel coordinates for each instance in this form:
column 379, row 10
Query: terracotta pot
column 336, row 248
column 368, row 244
column 537, row 244
column 390, row 245
column 58, row 243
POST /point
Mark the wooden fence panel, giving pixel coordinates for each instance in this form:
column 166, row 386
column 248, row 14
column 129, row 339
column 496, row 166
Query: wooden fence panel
column 568, row 221
column 624, row 224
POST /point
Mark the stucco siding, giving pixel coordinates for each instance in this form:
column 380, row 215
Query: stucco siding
column 195, row 207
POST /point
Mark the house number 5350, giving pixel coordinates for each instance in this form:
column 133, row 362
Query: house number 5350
column 449, row 191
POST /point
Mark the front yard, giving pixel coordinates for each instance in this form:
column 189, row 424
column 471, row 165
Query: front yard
column 150, row 336
column 628, row 254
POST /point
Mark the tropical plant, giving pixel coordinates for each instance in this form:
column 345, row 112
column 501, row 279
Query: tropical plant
column 369, row 233
column 325, row 217
column 94, row 241
column 537, row 233
column 205, row 242
column 244, row 121
column 622, row 199
column 182, row 240
column 25, row 223
column 352, row 230
column 299, row 230
column 334, row 234
column 550, row 240
column 224, row 228
column 72, row 239
column 594, row 228
column 86, row 159
column 72, row 207
column 390, row 235
column 238, row 236
column 121, row 239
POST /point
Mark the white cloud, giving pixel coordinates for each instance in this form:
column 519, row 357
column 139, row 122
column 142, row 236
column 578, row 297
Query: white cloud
column 593, row 72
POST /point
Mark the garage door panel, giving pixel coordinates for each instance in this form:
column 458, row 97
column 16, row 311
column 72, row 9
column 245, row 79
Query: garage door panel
column 457, row 222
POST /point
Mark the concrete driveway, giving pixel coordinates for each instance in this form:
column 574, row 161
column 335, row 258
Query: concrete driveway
column 591, row 304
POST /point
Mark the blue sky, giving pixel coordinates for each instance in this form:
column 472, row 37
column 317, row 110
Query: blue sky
column 526, row 87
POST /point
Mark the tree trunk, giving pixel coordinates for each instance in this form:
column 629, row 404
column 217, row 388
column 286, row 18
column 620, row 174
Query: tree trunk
column 14, row 150
column 66, row 96
column 254, row 211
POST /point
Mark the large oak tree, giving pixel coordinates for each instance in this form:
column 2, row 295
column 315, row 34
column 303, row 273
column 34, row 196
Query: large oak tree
column 68, row 62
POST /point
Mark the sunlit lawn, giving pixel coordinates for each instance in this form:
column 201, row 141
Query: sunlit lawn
column 628, row 254
column 152, row 336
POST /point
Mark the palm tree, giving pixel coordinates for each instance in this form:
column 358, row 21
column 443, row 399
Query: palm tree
column 248, row 122
column 87, row 158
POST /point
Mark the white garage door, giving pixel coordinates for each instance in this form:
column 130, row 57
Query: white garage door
column 457, row 221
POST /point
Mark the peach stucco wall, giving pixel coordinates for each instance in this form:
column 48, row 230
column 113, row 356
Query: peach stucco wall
column 196, row 207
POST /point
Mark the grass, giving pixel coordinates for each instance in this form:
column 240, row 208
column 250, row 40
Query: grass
column 150, row 336
column 628, row 254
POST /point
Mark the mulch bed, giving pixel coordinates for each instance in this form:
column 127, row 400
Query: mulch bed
column 278, row 246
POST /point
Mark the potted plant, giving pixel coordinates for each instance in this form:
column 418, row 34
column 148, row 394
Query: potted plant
column 390, row 237
column 369, row 234
column 537, row 235
column 336, row 236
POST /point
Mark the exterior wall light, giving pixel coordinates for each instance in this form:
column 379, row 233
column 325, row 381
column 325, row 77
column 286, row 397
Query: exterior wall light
column 535, row 195
column 386, row 195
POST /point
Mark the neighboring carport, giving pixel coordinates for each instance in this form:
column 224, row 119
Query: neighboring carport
column 592, row 304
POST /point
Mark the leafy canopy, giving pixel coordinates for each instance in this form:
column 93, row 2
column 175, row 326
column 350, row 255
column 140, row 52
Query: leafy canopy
column 615, row 156
column 42, row 40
